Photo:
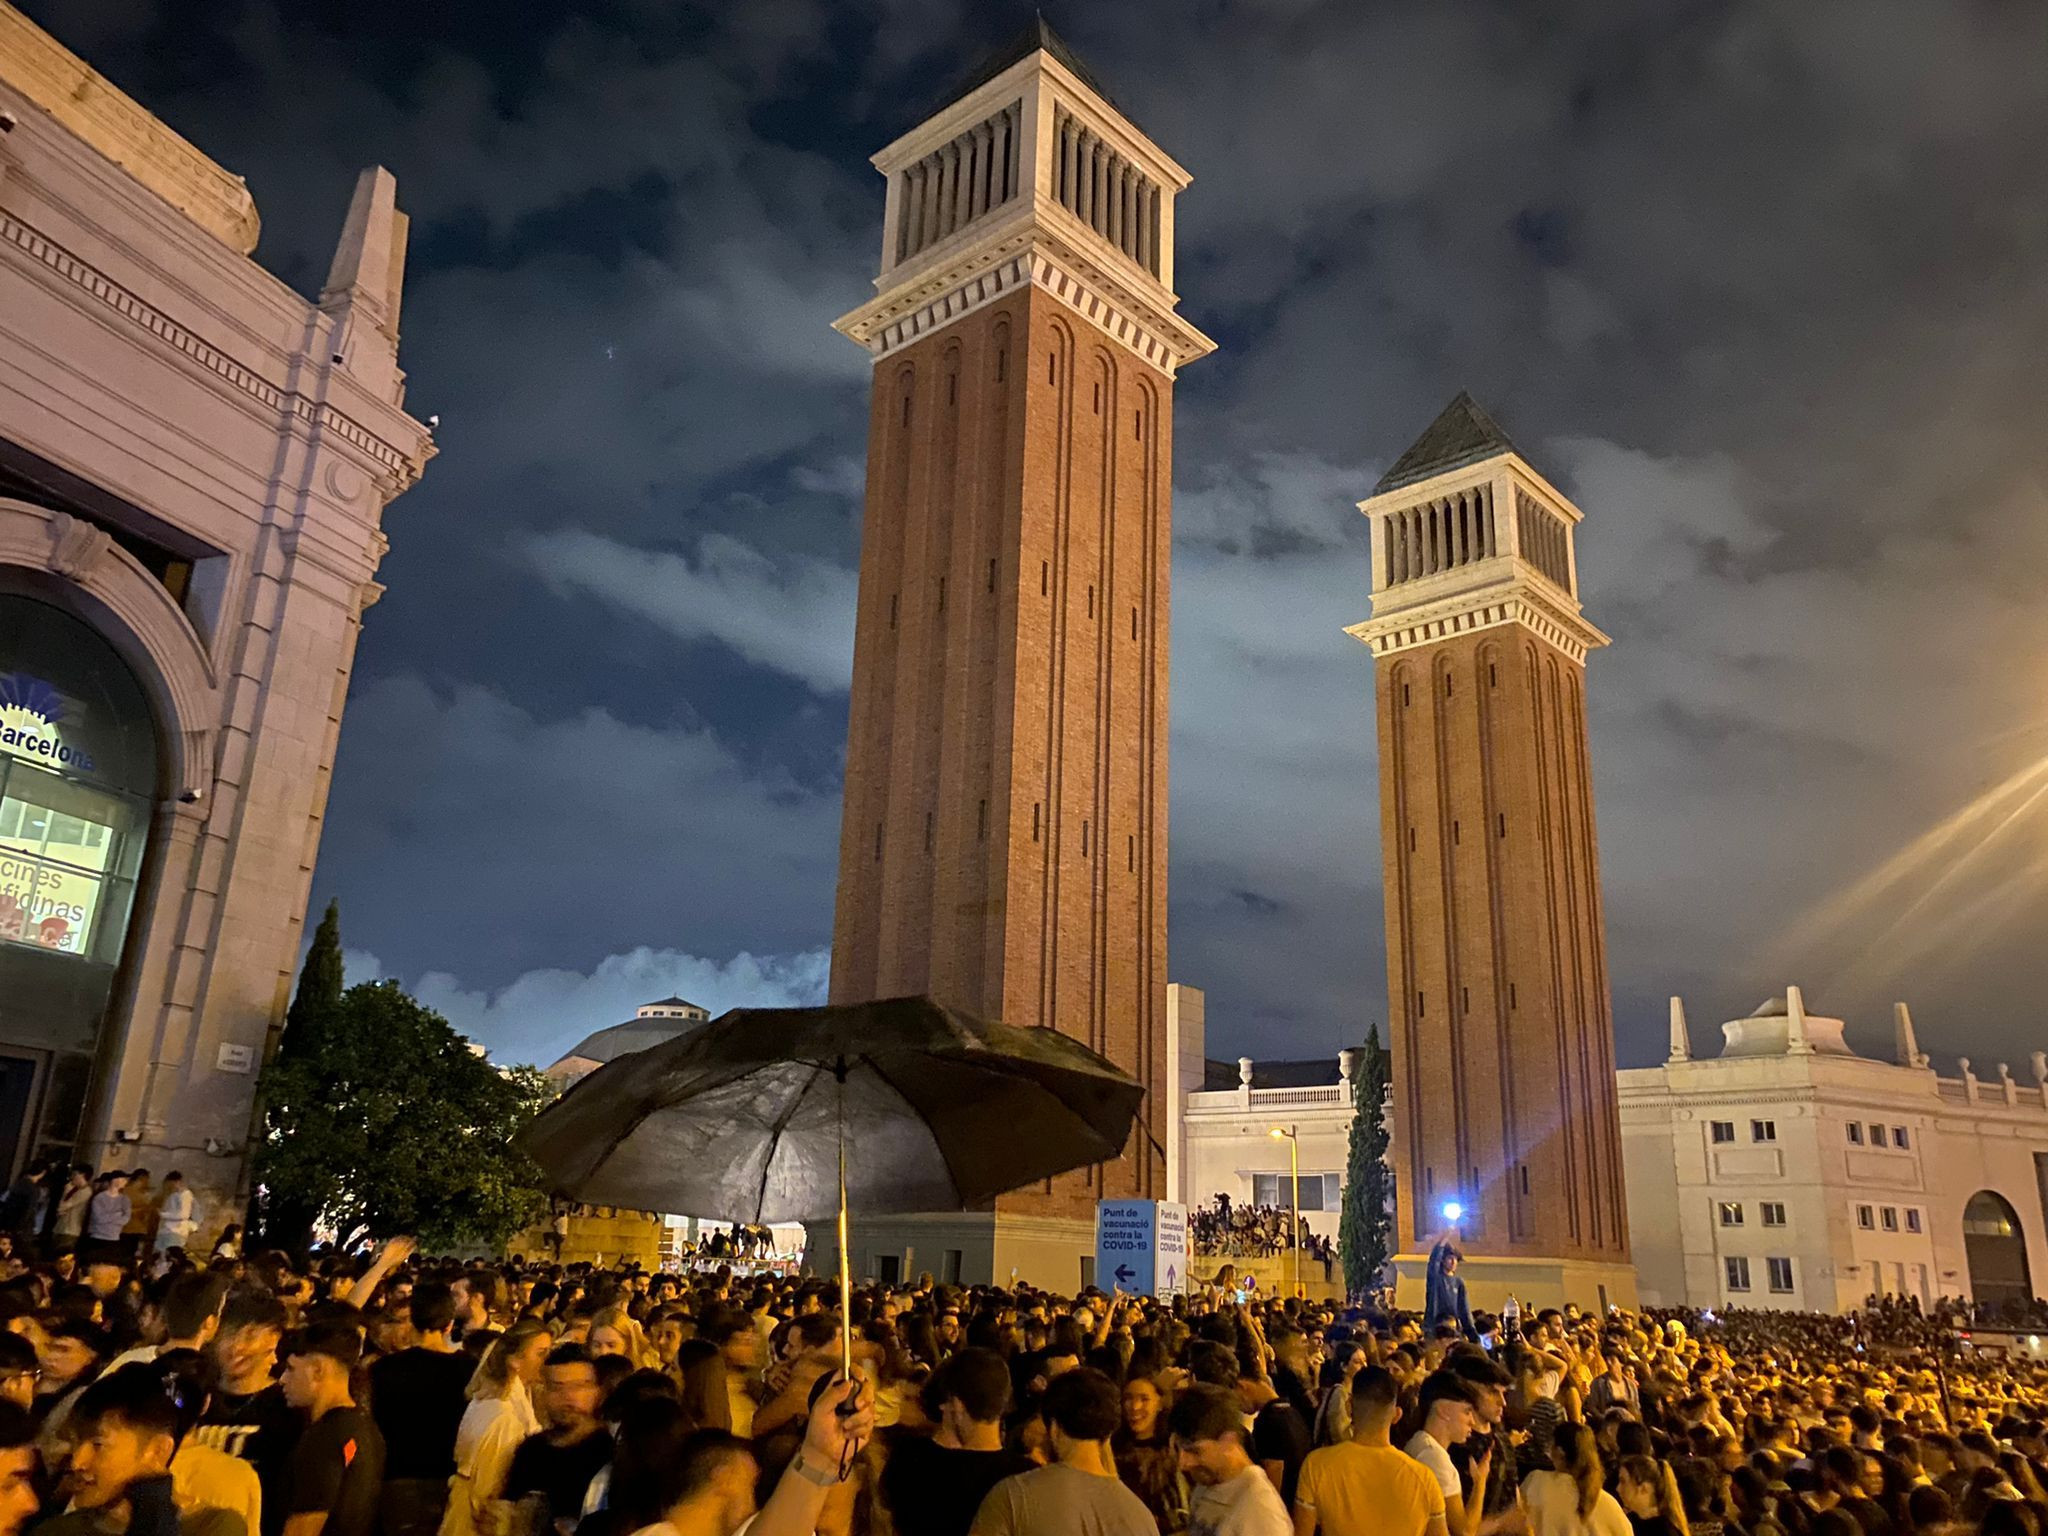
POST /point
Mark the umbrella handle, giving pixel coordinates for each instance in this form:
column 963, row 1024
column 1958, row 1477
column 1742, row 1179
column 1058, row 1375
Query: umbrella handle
column 845, row 1267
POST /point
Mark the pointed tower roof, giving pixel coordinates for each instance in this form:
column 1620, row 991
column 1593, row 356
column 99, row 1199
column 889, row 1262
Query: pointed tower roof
column 1463, row 434
column 1039, row 34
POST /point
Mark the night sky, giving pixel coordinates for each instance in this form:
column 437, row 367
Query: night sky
column 1764, row 287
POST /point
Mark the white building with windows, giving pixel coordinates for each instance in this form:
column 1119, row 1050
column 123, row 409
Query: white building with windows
column 1787, row 1171
column 1229, row 1121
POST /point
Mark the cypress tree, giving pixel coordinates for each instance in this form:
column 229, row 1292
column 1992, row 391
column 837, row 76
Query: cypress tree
column 1364, row 1230
column 318, row 998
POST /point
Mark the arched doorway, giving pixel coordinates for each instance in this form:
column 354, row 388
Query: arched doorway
column 1996, row 1247
column 79, row 773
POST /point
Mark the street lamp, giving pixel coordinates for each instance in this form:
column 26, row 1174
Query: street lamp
column 1286, row 1134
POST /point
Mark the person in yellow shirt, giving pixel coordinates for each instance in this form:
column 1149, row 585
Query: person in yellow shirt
column 1365, row 1487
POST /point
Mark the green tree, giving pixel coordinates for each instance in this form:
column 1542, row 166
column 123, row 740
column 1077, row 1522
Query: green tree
column 380, row 1119
column 1365, row 1228
column 280, row 1217
column 320, row 984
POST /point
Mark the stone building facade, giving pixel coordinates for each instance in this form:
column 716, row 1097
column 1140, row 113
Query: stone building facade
column 1502, row 1036
column 1231, row 1116
column 1787, row 1171
column 194, row 464
column 1003, row 844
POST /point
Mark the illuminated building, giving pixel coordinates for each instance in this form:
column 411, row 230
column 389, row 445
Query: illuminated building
column 194, row 461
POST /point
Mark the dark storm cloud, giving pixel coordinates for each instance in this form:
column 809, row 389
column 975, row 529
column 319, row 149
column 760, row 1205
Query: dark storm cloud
column 1764, row 287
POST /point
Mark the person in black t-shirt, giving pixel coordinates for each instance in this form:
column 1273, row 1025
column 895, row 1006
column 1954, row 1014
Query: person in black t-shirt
column 934, row 1485
column 417, row 1397
column 337, row 1467
column 1280, row 1439
column 248, row 1416
column 554, row 1467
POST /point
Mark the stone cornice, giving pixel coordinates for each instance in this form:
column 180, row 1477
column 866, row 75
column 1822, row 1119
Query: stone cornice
column 1522, row 598
column 1029, row 254
column 83, row 102
column 400, row 467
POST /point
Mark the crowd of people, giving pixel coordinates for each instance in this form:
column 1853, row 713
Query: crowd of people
column 1233, row 1230
column 145, row 1393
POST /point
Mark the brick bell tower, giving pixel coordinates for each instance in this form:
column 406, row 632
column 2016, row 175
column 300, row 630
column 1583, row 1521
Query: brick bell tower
column 1502, row 1027
column 1003, row 841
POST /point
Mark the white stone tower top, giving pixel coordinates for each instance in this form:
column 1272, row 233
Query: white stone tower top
column 1029, row 173
column 1466, row 535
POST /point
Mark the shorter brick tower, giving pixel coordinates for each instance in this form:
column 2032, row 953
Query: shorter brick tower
column 1505, row 1121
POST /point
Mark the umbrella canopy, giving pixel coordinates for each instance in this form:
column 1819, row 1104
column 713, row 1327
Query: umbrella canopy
column 741, row 1120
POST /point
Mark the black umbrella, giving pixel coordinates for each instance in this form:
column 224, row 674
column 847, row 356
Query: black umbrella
column 751, row 1118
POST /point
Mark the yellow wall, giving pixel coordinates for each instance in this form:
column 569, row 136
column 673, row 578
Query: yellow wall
column 600, row 1235
column 1319, row 1282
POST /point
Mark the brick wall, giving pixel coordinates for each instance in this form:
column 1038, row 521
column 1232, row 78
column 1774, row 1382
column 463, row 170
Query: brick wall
column 1502, row 1034
column 1003, row 845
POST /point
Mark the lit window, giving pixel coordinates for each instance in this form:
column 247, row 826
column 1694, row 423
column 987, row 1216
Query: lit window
column 1863, row 1218
column 1319, row 1191
column 1912, row 1221
column 1738, row 1274
column 1781, row 1274
column 1856, row 1133
column 1889, row 1218
column 1763, row 1130
column 1724, row 1130
column 1774, row 1214
column 1731, row 1213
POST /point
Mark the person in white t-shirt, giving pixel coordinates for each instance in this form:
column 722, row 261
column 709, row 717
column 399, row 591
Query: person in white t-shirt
column 1233, row 1496
column 177, row 1215
column 1568, row 1500
column 1447, row 1419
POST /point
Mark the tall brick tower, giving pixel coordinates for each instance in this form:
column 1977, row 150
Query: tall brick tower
column 1497, row 992
column 1003, row 844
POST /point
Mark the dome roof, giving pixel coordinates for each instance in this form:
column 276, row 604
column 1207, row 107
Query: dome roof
column 1768, row 1032
column 623, row 1040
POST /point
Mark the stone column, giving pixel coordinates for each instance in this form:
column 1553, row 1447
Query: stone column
column 1681, row 1041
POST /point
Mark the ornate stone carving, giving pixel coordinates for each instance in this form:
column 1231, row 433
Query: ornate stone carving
column 79, row 549
column 343, row 481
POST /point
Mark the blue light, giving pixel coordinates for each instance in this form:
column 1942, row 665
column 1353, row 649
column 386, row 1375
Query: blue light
column 1453, row 1210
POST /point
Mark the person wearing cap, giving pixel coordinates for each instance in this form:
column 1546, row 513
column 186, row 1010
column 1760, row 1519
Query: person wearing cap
column 337, row 1468
column 1444, row 1293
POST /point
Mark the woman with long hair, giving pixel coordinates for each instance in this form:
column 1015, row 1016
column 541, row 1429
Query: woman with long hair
column 500, row 1415
column 1647, row 1490
column 919, row 1335
column 1537, row 1383
column 652, row 1432
column 1567, row 1499
column 614, row 1332
column 700, row 1367
column 1145, row 1457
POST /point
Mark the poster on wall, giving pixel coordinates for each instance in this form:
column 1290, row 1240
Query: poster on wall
column 44, row 905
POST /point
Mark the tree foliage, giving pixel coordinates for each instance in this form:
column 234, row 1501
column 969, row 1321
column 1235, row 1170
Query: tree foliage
column 320, row 984
column 1365, row 1228
column 380, row 1119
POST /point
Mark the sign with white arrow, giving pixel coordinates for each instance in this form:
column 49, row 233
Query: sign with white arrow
column 1141, row 1247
